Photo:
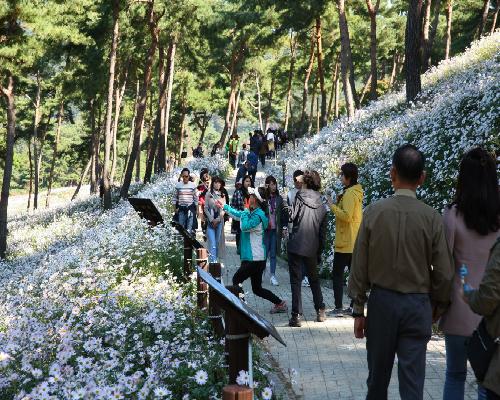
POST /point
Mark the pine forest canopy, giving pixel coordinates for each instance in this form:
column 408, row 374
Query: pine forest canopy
column 109, row 91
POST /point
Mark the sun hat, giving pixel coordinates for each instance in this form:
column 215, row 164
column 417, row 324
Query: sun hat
column 256, row 193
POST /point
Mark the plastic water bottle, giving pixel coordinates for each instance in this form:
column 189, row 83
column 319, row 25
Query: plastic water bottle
column 463, row 273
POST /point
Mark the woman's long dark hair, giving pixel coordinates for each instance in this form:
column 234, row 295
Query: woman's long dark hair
column 477, row 196
column 268, row 180
column 243, row 189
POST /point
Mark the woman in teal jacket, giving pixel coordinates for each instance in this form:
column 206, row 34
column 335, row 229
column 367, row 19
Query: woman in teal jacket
column 253, row 223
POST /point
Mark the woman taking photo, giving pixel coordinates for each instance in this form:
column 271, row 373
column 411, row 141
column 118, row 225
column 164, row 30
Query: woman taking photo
column 348, row 213
column 278, row 218
column 253, row 251
column 472, row 225
column 215, row 219
column 240, row 201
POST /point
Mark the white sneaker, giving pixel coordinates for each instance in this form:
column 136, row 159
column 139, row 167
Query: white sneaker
column 274, row 281
column 305, row 282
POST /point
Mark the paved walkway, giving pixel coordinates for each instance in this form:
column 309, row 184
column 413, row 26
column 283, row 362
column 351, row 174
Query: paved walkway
column 330, row 362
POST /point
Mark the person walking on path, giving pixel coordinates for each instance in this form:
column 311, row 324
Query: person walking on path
column 485, row 301
column 253, row 251
column 290, row 199
column 233, row 149
column 255, row 141
column 202, row 188
column 263, row 151
column 240, row 201
column 242, row 155
column 348, row 212
column 306, row 244
column 185, row 200
column 402, row 257
column 472, row 225
column 278, row 218
column 270, row 138
column 253, row 162
column 215, row 219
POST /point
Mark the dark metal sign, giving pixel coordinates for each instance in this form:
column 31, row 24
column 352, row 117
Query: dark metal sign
column 146, row 209
column 254, row 322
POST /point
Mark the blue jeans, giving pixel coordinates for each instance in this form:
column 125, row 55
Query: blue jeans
column 456, row 369
column 213, row 236
column 270, row 241
column 186, row 219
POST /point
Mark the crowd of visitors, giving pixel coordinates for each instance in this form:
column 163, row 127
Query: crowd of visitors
column 404, row 260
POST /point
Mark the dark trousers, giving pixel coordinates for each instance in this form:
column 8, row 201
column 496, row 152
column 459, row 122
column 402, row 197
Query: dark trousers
column 232, row 160
column 254, row 271
column 491, row 395
column 262, row 159
column 295, row 263
column 340, row 261
column 399, row 324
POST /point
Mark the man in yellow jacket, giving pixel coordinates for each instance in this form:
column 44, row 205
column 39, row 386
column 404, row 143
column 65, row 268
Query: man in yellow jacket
column 348, row 213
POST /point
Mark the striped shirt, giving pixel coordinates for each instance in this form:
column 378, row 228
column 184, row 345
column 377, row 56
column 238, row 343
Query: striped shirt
column 185, row 194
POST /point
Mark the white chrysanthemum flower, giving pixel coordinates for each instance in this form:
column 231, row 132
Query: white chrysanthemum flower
column 242, row 378
column 161, row 391
column 201, row 377
column 267, row 393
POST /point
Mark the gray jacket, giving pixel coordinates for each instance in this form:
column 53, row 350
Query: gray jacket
column 308, row 218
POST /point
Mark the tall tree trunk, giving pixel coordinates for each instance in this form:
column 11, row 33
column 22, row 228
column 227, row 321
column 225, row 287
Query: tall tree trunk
column 293, row 43
column 138, row 154
column 365, row 88
column 93, row 146
column 335, row 78
column 237, row 58
column 30, row 157
column 259, row 102
column 37, row 141
column 119, row 95
column 269, row 102
column 484, row 17
column 108, row 139
column 54, row 152
column 163, row 139
column 8, row 93
column 347, row 68
column 153, row 26
column 313, row 100
column 372, row 11
column 412, row 59
column 395, row 59
column 234, row 120
column 495, row 17
column 159, row 120
column 449, row 12
column 424, row 34
column 306, row 81
column 337, row 98
column 131, row 136
column 82, row 177
column 183, row 122
column 319, row 50
column 432, row 36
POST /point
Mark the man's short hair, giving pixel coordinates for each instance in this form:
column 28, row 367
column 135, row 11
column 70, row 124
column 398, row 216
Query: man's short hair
column 409, row 162
column 244, row 145
column 350, row 171
column 297, row 173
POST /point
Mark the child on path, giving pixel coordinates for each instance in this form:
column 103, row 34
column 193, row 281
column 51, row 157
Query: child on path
column 253, row 223
column 215, row 218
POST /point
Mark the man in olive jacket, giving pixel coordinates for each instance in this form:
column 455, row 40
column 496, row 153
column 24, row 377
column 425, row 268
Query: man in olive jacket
column 402, row 258
column 486, row 301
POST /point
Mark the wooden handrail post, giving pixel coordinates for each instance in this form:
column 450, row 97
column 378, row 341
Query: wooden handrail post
column 188, row 258
column 237, row 341
column 214, row 310
column 237, row 392
column 202, row 287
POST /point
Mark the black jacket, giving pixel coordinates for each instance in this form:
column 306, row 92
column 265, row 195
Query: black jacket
column 308, row 217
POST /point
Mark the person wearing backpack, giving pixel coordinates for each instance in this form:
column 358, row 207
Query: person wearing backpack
column 242, row 155
column 253, row 223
